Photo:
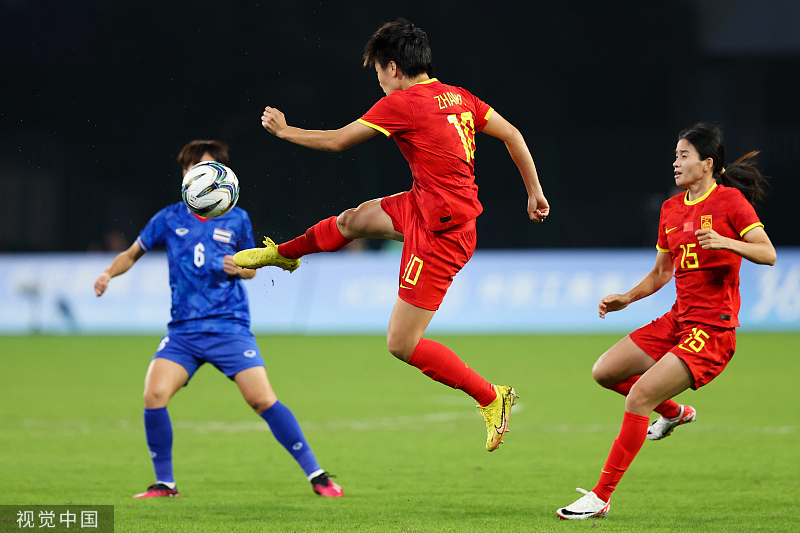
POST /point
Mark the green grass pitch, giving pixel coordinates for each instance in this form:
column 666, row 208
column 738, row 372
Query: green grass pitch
column 408, row 452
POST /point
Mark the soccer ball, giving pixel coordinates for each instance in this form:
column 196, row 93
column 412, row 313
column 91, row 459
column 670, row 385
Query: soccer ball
column 210, row 189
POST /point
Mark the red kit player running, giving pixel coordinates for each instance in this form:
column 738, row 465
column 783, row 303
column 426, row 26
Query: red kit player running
column 703, row 235
column 434, row 125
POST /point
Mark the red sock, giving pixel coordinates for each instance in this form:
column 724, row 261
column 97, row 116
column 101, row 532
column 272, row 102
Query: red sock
column 668, row 409
column 624, row 387
column 324, row 236
column 439, row 363
column 627, row 444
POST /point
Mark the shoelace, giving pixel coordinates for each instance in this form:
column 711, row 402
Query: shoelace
column 583, row 502
column 322, row 479
column 158, row 486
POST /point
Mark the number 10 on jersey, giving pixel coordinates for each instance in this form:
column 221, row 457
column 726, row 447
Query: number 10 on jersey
column 465, row 126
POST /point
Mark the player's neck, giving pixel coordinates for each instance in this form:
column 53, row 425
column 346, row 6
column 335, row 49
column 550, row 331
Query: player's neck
column 407, row 82
column 701, row 188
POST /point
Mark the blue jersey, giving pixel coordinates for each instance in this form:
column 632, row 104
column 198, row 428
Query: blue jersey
column 204, row 297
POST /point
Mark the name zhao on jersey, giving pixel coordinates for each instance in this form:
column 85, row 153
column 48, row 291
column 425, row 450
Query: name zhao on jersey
column 448, row 99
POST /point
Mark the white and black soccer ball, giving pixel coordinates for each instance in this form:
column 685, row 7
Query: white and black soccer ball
column 210, row 189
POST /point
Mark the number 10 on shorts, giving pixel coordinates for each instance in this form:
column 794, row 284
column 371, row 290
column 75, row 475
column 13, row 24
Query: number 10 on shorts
column 413, row 268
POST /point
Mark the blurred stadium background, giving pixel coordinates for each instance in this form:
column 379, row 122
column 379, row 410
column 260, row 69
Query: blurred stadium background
column 100, row 95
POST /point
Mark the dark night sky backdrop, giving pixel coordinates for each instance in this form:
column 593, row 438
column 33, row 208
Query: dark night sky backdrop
column 99, row 97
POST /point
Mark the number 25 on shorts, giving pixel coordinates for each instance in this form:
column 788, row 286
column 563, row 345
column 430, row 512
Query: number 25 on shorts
column 694, row 341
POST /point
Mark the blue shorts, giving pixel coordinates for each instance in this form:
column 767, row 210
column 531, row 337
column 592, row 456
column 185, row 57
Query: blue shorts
column 230, row 353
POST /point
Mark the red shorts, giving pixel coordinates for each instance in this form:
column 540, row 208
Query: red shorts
column 705, row 349
column 430, row 258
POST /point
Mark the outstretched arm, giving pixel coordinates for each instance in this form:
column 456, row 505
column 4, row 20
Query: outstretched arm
column 121, row 264
column 497, row 126
column 326, row 140
column 654, row 280
column 756, row 248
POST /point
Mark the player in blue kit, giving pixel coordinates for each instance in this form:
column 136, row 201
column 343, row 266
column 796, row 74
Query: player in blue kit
column 210, row 323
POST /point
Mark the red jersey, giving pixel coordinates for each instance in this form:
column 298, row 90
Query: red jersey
column 707, row 281
column 434, row 125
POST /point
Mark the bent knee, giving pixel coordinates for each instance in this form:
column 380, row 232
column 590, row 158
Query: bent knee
column 641, row 399
column 399, row 347
column 603, row 377
column 156, row 398
column 348, row 222
column 259, row 405
column 635, row 402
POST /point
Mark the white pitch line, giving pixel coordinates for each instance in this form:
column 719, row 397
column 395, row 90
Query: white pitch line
column 393, row 423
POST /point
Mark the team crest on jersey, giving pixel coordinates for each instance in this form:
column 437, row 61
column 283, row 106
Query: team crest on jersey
column 688, row 226
column 222, row 235
column 181, row 231
column 705, row 221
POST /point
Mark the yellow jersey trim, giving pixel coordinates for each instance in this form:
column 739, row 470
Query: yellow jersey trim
column 488, row 113
column 692, row 202
column 662, row 249
column 375, row 127
column 751, row 226
column 431, row 80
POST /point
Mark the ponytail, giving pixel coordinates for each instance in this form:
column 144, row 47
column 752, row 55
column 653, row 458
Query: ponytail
column 743, row 175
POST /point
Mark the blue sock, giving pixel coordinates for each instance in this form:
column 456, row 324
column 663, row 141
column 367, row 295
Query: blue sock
column 158, row 429
column 284, row 426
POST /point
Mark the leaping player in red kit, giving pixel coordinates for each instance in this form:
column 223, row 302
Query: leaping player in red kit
column 434, row 125
column 703, row 235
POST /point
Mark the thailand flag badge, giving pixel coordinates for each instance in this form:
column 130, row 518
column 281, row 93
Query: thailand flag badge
column 222, row 235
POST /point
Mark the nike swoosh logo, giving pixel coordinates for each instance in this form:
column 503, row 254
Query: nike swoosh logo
column 499, row 430
column 670, row 229
column 583, row 513
column 404, row 287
